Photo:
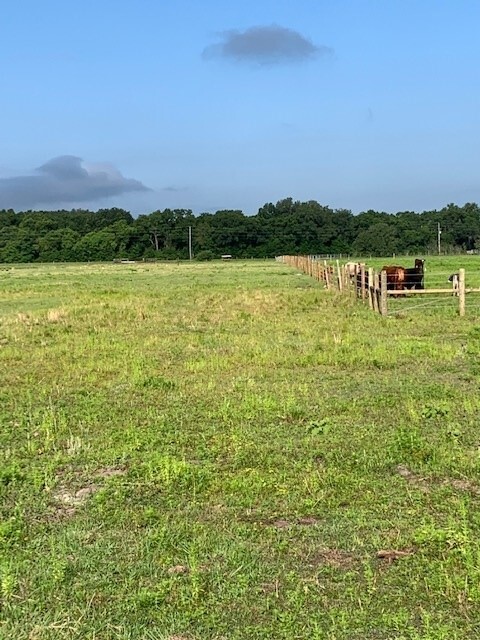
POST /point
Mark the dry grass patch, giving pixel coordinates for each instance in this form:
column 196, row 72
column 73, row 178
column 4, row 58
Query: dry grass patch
column 26, row 319
column 56, row 315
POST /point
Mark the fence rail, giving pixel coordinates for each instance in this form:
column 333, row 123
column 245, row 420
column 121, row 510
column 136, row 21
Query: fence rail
column 369, row 285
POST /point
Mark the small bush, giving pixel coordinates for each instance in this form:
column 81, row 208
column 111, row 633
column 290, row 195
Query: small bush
column 202, row 256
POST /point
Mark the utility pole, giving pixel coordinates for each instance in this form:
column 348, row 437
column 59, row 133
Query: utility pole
column 190, row 254
column 439, row 233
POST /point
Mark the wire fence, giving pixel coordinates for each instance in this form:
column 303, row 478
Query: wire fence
column 389, row 291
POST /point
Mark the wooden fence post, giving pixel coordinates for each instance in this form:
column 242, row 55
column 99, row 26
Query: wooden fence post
column 339, row 276
column 461, row 292
column 383, row 294
column 356, row 281
column 362, row 281
column 327, row 275
column 376, row 292
column 369, row 287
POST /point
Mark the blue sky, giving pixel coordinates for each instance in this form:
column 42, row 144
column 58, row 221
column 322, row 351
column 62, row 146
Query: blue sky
column 228, row 105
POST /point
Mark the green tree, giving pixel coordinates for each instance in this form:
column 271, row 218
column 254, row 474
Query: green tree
column 380, row 239
column 58, row 245
column 18, row 245
column 96, row 246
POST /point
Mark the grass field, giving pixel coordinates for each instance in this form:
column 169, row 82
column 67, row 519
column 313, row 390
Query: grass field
column 227, row 451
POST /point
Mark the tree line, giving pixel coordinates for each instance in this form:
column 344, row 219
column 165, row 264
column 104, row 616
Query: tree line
column 287, row 227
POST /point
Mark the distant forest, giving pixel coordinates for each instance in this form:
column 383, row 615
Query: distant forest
column 287, row 227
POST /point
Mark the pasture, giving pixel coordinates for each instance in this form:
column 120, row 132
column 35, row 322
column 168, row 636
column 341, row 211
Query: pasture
column 228, row 451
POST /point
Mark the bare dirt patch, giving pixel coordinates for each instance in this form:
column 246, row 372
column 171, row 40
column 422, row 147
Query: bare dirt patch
column 110, row 472
column 178, row 569
column 394, row 554
column 281, row 523
column 68, row 499
column 462, row 485
column 413, row 478
column 74, row 499
column 425, row 484
column 334, row 558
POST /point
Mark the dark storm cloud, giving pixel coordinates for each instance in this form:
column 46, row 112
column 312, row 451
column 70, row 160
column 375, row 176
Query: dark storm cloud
column 265, row 45
column 62, row 180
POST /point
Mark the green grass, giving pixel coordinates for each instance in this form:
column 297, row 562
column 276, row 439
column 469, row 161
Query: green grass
column 221, row 450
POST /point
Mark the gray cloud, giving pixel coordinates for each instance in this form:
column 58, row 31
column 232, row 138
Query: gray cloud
column 265, row 45
column 174, row 189
column 62, row 180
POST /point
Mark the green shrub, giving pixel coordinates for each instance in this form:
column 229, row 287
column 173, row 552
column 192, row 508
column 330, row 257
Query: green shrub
column 202, row 256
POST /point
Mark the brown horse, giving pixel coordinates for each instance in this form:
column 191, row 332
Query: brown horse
column 395, row 277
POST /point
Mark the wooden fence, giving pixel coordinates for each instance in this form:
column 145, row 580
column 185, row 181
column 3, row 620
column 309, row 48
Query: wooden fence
column 367, row 284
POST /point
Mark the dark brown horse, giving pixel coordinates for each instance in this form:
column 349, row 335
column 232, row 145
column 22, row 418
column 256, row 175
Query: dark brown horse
column 414, row 277
column 395, row 277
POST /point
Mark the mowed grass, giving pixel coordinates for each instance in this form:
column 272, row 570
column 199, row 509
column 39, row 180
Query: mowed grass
column 228, row 451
